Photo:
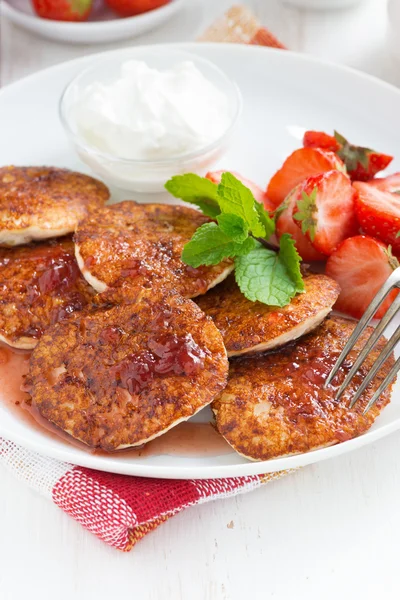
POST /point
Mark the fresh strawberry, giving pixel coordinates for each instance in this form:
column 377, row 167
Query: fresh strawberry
column 298, row 166
column 378, row 212
column 285, row 224
column 391, row 183
column 258, row 193
column 361, row 265
column 319, row 139
column 362, row 164
column 325, row 210
column 63, row 10
column 128, row 8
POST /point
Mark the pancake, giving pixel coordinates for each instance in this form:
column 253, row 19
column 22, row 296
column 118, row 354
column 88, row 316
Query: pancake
column 121, row 376
column 127, row 245
column 39, row 285
column 249, row 327
column 38, row 203
column 274, row 404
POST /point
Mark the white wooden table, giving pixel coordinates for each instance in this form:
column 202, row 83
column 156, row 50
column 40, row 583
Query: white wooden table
column 329, row 531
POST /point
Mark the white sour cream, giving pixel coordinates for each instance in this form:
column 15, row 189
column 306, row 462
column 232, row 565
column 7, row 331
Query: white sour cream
column 147, row 114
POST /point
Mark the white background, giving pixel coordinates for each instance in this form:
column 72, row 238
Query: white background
column 329, row 531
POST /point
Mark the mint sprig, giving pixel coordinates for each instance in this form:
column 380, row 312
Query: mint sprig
column 241, row 231
column 196, row 190
column 210, row 245
column 235, row 198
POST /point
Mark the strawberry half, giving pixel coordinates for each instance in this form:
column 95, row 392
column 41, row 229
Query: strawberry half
column 391, row 183
column 319, row 139
column 361, row 266
column 258, row 193
column 325, row 210
column 285, row 224
column 378, row 212
column 298, row 166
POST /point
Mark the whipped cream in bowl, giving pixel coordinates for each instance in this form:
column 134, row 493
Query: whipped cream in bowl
column 140, row 116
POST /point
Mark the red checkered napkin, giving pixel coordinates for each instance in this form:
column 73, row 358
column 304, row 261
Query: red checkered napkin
column 119, row 509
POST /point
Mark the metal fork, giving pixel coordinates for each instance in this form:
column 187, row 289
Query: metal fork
column 391, row 283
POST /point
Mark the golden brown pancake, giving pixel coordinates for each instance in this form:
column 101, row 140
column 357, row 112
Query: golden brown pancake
column 249, row 327
column 126, row 245
column 38, row 203
column 39, row 285
column 275, row 405
column 120, row 376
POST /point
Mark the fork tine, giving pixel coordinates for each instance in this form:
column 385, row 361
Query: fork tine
column 392, row 281
column 377, row 365
column 388, row 379
column 372, row 340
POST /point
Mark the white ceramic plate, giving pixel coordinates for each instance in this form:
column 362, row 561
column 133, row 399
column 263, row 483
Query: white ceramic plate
column 103, row 24
column 283, row 93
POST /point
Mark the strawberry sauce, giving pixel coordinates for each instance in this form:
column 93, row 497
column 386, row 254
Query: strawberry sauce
column 168, row 354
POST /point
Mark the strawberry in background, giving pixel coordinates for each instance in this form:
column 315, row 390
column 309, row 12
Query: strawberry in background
column 63, row 10
column 129, row 8
column 362, row 164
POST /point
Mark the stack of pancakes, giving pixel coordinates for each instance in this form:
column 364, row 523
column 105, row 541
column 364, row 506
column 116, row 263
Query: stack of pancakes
column 121, row 352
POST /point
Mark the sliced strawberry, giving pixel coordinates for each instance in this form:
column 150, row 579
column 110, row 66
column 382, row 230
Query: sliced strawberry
column 325, row 210
column 285, row 224
column 391, row 183
column 319, row 139
column 361, row 265
column 378, row 213
column 298, row 166
column 258, row 193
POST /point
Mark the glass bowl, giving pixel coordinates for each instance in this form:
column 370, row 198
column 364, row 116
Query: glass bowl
column 146, row 176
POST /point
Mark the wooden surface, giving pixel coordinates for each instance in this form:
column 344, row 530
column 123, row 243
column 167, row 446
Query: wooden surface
column 329, row 531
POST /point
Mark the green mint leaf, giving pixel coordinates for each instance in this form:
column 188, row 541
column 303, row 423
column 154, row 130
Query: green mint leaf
column 267, row 222
column 307, row 210
column 233, row 226
column 398, row 233
column 237, row 199
column 196, row 190
column 210, row 245
column 290, row 258
column 262, row 276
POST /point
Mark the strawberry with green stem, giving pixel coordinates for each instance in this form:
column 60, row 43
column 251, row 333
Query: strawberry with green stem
column 325, row 210
column 362, row 163
column 63, row 10
column 286, row 224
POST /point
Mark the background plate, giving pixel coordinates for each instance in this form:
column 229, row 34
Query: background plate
column 284, row 93
column 103, row 25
